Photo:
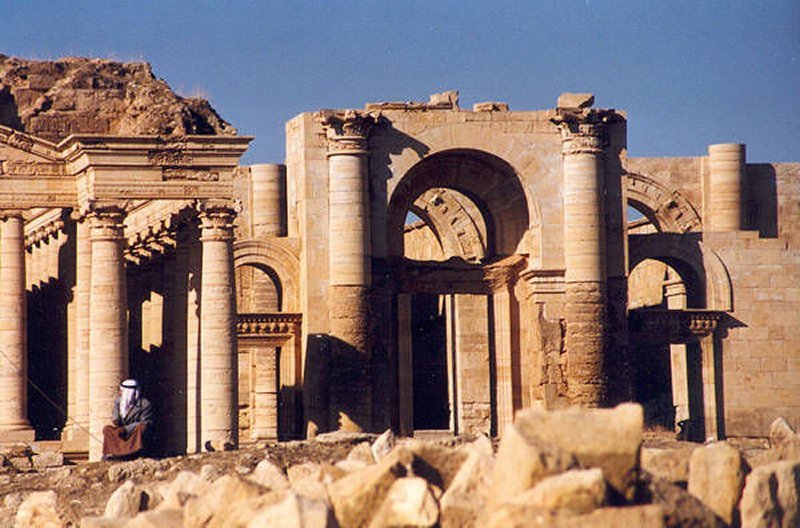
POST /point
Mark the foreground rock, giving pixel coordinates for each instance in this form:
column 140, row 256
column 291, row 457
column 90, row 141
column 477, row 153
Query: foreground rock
column 771, row 496
column 716, row 477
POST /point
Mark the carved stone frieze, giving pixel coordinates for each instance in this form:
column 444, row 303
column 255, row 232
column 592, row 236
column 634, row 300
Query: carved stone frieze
column 173, row 153
column 31, row 168
column 268, row 324
column 172, row 173
column 347, row 132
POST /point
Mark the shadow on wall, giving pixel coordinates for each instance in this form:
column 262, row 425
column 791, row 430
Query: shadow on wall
column 762, row 206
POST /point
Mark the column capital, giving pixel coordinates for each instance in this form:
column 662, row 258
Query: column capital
column 6, row 214
column 583, row 130
column 216, row 219
column 347, row 132
column 106, row 220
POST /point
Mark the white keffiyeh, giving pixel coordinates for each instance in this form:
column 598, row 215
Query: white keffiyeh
column 129, row 396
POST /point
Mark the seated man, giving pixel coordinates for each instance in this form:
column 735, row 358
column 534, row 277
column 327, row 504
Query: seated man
column 132, row 416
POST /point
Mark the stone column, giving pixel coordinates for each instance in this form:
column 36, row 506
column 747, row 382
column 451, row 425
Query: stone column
column 14, row 425
column 725, row 211
column 219, row 415
column 108, row 335
column 350, row 270
column 405, row 366
column 78, row 433
column 269, row 199
column 709, row 376
column 583, row 136
column 504, row 388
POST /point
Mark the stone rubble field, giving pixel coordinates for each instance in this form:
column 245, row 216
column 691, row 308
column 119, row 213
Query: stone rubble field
column 566, row 468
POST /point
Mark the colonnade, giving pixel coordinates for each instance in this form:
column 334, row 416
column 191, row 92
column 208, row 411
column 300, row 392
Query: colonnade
column 100, row 352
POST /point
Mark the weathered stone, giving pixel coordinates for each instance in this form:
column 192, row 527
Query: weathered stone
column 103, row 522
column 465, row 497
column 358, row 495
column 436, row 464
column 716, row 477
column 383, row 445
column 47, row 459
column 157, row 519
column 409, row 502
column 490, row 106
column 669, row 464
column 185, row 485
column 574, row 492
column 41, row 509
column 511, row 515
column 606, row 438
column 224, row 491
column 358, row 458
column 575, row 100
column 295, row 511
column 523, row 459
column 126, row 501
column 269, row 475
column 784, row 441
column 771, row 496
column 682, row 509
column 239, row 514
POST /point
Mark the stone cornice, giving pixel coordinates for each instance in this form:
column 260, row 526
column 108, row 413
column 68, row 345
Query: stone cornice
column 347, row 132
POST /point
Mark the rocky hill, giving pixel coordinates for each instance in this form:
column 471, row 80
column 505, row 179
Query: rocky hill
column 53, row 99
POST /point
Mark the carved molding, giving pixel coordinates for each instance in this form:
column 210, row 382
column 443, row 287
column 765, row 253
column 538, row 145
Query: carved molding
column 265, row 324
column 106, row 220
column 216, row 219
column 347, row 132
column 31, row 168
column 194, row 174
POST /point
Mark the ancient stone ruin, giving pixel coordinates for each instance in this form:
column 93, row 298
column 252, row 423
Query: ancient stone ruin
column 414, row 266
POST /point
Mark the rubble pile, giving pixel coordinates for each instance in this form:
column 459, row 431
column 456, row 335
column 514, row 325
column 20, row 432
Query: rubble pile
column 565, row 468
column 53, row 99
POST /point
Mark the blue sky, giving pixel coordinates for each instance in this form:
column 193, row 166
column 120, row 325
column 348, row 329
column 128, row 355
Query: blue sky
column 689, row 73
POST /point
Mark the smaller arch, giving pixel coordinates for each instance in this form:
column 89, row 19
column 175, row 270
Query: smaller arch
column 666, row 208
column 275, row 255
column 691, row 258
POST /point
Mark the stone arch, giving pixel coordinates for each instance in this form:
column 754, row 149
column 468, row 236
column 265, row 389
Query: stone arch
column 456, row 222
column 666, row 208
column 488, row 181
column 274, row 255
column 692, row 259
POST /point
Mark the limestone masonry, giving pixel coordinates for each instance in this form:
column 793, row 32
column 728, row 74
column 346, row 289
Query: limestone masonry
column 413, row 265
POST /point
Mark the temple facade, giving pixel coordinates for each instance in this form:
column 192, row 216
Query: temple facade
column 417, row 266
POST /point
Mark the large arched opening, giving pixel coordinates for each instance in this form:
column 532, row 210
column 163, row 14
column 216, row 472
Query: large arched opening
column 452, row 217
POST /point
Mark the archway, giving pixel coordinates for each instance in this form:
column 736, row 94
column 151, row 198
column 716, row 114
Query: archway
column 453, row 216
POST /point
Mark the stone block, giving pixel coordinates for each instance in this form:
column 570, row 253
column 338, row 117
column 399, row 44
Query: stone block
column 269, row 475
column 575, row 100
column 517, row 516
column 42, row 509
column 409, row 502
column 224, row 491
column 681, row 508
column 356, row 496
column 295, row 511
column 47, row 459
column 157, row 519
column 716, row 477
column 770, row 497
column 465, row 497
column 126, row 501
column 606, row 438
column 575, row 492
column 435, row 463
column 669, row 464
column 383, row 445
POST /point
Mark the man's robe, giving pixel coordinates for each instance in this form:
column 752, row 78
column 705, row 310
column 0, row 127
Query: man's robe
column 127, row 436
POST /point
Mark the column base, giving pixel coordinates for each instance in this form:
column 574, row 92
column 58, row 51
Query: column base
column 17, row 435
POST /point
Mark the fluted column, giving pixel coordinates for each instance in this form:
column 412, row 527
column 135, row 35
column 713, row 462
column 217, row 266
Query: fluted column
column 725, row 209
column 583, row 142
column 108, row 333
column 504, row 386
column 219, row 404
column 350, row 270
column 14, row 425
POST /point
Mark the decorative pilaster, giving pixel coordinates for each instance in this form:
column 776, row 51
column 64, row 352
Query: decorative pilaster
column 350, row 269
column 583, row 133
column 14, row 425
column 108, row 334
column 219, row 405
